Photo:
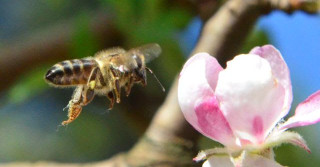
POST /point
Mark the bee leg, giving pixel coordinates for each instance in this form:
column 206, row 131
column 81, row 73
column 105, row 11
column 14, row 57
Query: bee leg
column 87, row 96
column 74, row 105
column 129, row 86
column 110, row 96
column 92, row 78
column 73, row 112
column 117, row 88
column 81, row 97
column 144, row 82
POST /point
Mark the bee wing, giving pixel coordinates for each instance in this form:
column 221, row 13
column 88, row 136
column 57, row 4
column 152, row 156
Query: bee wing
column 150, row 51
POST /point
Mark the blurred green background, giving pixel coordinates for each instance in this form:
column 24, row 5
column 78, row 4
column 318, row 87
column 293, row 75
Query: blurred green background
column 31, row 111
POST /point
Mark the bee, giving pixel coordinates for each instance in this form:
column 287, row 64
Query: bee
column 103, row 74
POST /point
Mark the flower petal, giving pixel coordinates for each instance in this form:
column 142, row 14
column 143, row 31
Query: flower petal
column 245, row 160
column 202, row 66
column 218, row 161
column 250, row 98
column 197, row 82
column 280, row 71
column 307, row 113
column 212, row 122
column 251, row 160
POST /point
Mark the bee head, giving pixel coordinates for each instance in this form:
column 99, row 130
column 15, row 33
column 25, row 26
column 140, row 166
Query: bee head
column 140, row 72
column 140, row 75
column 139, row 60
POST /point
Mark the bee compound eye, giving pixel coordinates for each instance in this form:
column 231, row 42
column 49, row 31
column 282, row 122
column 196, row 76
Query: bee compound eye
column 138, row 60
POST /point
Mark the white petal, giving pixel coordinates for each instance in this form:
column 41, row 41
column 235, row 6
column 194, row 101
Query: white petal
column 218, row 161
column 253, row 160
column 280, row 71
column 250, row 97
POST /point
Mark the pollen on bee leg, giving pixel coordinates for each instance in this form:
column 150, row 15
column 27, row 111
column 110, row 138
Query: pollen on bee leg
column 73, row 112
column 92, row 84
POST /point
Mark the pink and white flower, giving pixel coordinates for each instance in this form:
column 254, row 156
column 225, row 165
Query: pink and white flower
column 243, row 105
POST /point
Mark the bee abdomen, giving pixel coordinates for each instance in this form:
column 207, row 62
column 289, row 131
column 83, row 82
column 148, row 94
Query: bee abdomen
column 71, row 72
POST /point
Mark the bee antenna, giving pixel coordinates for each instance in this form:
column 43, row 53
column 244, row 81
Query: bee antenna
column 163, row 89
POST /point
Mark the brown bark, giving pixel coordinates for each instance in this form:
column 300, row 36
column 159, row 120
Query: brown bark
column 169, row 140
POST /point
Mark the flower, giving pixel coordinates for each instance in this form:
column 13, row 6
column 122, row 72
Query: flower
column 243, row 105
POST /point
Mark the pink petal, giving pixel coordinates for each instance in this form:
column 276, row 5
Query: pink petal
column 197, row 82
column 280, row 71
column 212, row 122
column 307, row 113
column 250, row 98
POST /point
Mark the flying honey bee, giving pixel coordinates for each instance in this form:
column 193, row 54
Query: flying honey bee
column 103, row 74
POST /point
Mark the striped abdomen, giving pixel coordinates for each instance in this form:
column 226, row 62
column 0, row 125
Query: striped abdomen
column 71, row 72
